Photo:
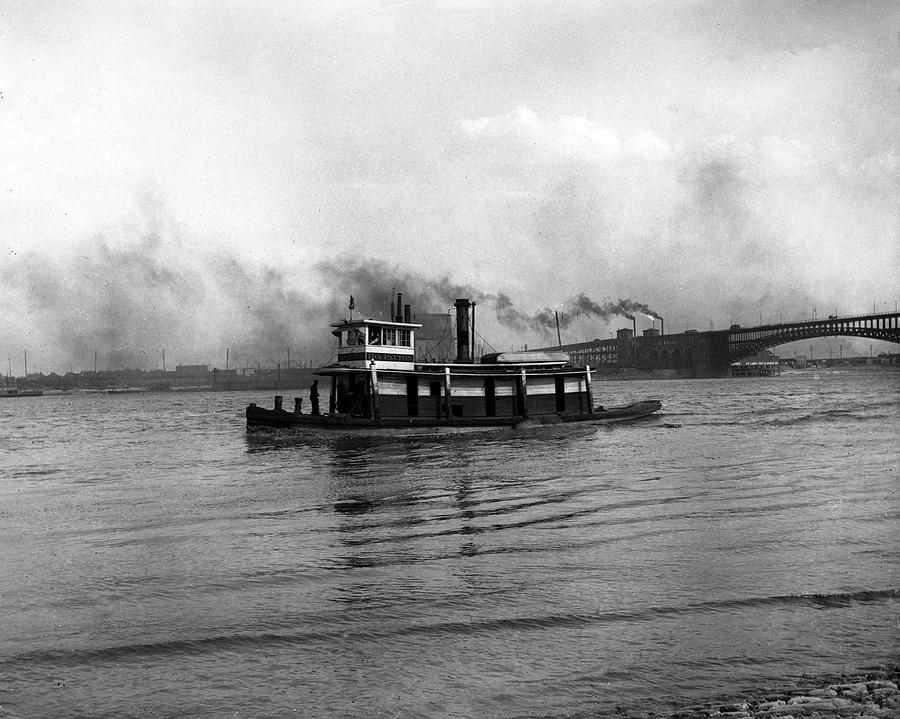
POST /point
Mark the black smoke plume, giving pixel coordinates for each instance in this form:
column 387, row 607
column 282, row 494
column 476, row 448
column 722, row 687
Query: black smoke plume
column 581, row 306
column 123, row 304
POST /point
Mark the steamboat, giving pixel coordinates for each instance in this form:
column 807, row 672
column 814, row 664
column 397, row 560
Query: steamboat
column 377, row 385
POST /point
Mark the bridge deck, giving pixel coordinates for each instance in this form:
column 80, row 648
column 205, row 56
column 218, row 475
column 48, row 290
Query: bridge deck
column 745, row 341
column 712, row 353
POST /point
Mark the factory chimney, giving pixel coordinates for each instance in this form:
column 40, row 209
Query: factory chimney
column 462, row 330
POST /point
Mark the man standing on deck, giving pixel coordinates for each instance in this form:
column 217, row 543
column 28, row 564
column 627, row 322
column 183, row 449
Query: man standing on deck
column 314, row 396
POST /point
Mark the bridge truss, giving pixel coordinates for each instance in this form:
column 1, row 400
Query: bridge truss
column 746, row 341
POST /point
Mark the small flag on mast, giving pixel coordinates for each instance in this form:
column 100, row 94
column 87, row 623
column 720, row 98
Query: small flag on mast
column 351, row 302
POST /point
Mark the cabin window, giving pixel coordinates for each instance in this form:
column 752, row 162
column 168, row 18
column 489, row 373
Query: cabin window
column 490, row 397
column 354, row 338
column 412, row 396
column 390, row 336
column 342, row 395
column 403, row 338
column 560, row 394
column 521, row 402
column 374, row 335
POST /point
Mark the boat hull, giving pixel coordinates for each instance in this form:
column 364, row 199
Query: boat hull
column 261, row 419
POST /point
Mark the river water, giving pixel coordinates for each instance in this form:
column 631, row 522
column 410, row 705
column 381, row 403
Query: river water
column 159, row 562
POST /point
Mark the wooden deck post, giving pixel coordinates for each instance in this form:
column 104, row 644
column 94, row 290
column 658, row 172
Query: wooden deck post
column 447, row 392
column 373, row 395
column 522, row 393
column 587, row 386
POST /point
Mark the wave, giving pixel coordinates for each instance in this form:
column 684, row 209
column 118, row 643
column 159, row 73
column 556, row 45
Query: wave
column 469, row 514
column 35, row 472
column 831, row 415
column 268, row 639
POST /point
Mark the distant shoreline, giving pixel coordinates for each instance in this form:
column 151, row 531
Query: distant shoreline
column 125, row 382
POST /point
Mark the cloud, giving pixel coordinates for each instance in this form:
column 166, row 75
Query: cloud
column 566, row 137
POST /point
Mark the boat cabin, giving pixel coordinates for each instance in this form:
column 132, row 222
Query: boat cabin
column 390, row 345
column 376, row 376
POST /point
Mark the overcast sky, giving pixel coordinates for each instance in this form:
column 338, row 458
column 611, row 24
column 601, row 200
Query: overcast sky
column 201, row 175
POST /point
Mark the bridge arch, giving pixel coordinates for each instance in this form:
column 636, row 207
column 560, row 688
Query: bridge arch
column 746, row 342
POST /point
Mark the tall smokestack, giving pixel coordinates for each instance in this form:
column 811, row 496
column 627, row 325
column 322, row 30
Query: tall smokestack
column 662, row 326
column 407, row 313
column 462, row 330
column 399, row 317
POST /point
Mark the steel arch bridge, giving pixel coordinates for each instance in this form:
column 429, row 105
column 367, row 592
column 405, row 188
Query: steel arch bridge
column 746, row 341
